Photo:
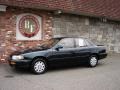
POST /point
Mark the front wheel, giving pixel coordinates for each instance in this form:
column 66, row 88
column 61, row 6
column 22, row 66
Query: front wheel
column 93, row 61
column 38, row 66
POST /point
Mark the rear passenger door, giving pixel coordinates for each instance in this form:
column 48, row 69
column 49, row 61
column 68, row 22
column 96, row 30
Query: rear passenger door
column 82, row 50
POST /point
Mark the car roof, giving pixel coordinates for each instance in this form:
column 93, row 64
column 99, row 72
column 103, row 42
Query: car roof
column 62, row 37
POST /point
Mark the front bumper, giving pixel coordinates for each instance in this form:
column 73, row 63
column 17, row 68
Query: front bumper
column 19, row 63
column 102, row 55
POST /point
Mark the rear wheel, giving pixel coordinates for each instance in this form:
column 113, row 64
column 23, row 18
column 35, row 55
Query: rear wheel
column 39, row 66
column 93, row 61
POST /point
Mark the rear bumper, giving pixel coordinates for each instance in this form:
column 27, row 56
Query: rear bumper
column 19, row 63
column 102, row 55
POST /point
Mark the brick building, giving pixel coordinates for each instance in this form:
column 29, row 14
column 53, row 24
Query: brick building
column 27, row 23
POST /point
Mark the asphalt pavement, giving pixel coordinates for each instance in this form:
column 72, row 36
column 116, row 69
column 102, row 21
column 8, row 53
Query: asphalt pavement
column 106, row 76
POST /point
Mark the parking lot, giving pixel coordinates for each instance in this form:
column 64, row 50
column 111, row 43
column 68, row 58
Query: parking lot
column 106, row 76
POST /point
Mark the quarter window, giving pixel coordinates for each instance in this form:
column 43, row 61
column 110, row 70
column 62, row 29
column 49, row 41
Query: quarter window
column 89, row 43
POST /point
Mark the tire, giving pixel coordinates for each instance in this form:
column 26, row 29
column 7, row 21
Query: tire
column 39, row 66
column 93, row 61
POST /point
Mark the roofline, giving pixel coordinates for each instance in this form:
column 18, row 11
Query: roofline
column 60, row 37
column 92, row 15
column 64, row 11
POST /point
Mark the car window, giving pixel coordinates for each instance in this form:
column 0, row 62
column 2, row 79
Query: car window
column 67, row 43
column 89, row 43
column 80, row 42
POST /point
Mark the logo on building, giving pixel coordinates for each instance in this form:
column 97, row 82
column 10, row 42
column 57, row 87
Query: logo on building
column 28, row 27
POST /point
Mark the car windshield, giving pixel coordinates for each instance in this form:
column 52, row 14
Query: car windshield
column 50, row 43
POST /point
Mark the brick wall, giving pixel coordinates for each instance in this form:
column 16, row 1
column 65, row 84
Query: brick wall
column 8, row 42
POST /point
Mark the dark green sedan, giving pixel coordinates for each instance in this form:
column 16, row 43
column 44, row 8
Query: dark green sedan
column 60, row 50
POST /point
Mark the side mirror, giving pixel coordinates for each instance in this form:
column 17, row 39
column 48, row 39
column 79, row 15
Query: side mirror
column 58, row 47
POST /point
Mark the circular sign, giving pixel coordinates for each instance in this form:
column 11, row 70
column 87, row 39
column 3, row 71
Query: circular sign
column 29, row 26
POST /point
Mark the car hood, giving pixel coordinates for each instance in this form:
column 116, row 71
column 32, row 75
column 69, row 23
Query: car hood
column 29, row 50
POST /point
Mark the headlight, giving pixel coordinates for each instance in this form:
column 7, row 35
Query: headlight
column 17, row 57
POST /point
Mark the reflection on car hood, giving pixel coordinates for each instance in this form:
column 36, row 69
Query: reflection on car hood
column 29, row 50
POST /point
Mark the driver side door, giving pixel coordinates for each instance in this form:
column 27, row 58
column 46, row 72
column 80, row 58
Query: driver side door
column 66, row 53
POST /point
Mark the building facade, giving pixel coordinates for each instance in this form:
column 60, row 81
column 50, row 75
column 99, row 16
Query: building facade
column 24, row 25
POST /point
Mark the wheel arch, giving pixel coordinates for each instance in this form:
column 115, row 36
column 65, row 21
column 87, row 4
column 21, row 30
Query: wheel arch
column 95, row 54
column 42, row 57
